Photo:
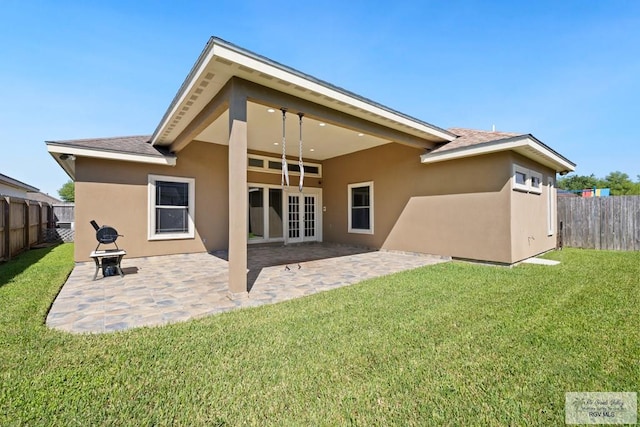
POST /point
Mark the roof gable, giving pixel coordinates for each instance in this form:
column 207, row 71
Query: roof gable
column 471, row 142
column 11, row 182
column 125, row 148
column 220, row 61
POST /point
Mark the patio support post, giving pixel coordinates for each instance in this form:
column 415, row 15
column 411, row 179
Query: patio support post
column 237, row 194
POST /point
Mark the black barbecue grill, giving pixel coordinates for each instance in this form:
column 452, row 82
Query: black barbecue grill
column 105, row 235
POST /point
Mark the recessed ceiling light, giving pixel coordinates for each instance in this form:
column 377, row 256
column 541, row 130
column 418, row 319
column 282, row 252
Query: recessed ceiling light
column 276, row 143
column 361, row 134
column 312, row 149
column 322, row 124
column 271, row 110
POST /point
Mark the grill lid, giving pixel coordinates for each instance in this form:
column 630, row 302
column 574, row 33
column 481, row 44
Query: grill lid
column 106, row 234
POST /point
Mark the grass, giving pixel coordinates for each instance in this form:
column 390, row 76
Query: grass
column 452, row 344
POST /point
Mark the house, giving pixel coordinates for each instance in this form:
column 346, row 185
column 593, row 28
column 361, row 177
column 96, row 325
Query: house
column 13, row 188
column 211, row 175
column 39, row 196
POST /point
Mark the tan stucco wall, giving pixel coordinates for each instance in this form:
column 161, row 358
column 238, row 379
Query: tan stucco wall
column 116, row 193
column 463, row 208
column 457, row 208
column 529, row 223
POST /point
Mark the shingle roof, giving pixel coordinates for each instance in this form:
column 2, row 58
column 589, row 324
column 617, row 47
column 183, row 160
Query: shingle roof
column 122, row 144
column 469, row 137
column 4, row 179
column 42, row 197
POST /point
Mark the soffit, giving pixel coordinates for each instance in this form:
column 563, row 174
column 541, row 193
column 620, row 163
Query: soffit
column 543, row 158
column 265, row 134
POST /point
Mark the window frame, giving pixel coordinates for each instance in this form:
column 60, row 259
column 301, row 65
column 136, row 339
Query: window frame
column 516, row 185
column 152, row 205
column 538, row 176
column 551, row 205
column 529, row 174
column 350, row 228
column 266, row 169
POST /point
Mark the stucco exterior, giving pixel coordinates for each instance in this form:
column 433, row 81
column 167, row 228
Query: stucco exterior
column 116, row 193
column 464, row 208
column 458, row 208
column 529, row 215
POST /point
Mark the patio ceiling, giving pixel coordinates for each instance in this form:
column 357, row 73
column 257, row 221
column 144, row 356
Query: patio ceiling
column 321, row 140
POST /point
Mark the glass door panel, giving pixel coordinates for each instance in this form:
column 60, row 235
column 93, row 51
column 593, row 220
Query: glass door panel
column 275, row 221
column 294, row 217
column 256, row 213
column 309, row 216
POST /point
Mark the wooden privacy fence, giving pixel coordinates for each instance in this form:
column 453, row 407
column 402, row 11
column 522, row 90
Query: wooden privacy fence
column 63, row 213
column 22, row 225
column 63, row 219
column 600, row 222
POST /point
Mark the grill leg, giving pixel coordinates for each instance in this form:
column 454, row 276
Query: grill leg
column 97, row 268
column 118, row 265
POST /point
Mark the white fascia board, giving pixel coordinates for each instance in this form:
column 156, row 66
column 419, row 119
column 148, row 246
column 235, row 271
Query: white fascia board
column 469, row 151
column 550, row 154
column 254, row 64
column 185, row 92
column 13, row 183
column 111, row 155
column 65, row 165
column 487, row 148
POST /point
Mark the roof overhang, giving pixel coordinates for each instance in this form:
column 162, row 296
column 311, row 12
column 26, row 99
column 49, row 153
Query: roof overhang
column 220, row 61
column 14, row 183
column 526, row 145
column 66, row 155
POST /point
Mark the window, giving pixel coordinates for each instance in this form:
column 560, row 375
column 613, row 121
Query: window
column 536, row 182
column 256, row 163
column 526, row 180
column 171, row 207
column 360, row 207
column 520, row 178
column 551, row 207
column 274, row 165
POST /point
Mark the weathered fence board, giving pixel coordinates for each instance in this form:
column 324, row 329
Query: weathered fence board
column 64, row 213
column 22, row 225
column 601, row 222
column 17, row 228
column 3, row 230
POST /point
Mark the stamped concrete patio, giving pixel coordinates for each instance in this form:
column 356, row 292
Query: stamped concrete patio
column 173, row 288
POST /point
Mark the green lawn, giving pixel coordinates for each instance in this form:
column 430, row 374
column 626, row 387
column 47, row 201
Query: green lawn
column 451, row 344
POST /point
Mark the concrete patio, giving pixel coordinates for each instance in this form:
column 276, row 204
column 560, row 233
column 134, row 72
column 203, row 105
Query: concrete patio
column 173, row 288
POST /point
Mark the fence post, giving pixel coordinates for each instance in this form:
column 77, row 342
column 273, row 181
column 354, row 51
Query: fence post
column 7, row 227
column 39, row 239
column 51, row 223
column 27, row 224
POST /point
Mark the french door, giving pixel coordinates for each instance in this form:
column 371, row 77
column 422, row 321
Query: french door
column 277, row 214
column 302, row 218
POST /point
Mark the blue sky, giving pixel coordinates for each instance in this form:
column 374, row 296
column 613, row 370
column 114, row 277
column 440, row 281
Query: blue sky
column 566, row 71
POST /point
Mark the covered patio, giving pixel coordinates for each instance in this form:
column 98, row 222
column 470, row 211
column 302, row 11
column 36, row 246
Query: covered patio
column 172, row 288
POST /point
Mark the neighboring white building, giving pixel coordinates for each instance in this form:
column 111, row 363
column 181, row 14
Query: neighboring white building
column 14, row 188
